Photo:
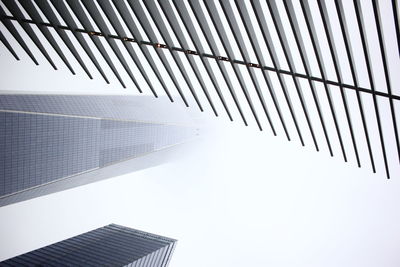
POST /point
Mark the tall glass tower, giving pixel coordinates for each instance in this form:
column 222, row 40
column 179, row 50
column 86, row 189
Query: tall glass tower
column 112, row 245
column 50, row 143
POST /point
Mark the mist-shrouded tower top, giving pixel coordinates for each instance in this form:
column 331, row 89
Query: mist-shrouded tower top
column 50, row 143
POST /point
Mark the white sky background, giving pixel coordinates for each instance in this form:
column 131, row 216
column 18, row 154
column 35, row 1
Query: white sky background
column 238, row 197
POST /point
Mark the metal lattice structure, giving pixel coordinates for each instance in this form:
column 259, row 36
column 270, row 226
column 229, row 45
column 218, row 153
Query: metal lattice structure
column 268, row 48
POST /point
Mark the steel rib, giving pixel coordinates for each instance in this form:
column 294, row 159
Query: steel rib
column 122, row 8
column 10, row 27
column 332, row 47
column 169, row 14
column 271, row 50
column 80, row 14
column 8, row 46
column 66, row 16
column 156, row 17
column 34, row 14
column 378, row 24
column 292, row 67
column 257, row 49
column 145, row 23
column 227, row 9
column 211, row 9
column 396, row 22
column 294, row 24
column 184, row 15
column 98, row 19
column 16, row 12
column 48, row 12
column 317, row 50
column 350, row 57
column 108, row 10
column 198, row 13
column 361, row 28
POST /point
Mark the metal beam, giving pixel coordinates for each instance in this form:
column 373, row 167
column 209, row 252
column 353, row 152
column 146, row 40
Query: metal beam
column 384, row 56
column 122, row 8
column 156, row 17
column 367, row 58
column 346, row 38
column 233, row 24
column 258, row 52
column 294, row 24
column 10, row 27
column 212, row 10
column 290, row 61
column 66, row 16
column 187, row 22
column 200, row 17
column 318, row 52
column 145, row 23
column 170, row 16
column 8, row 46
column 101, row 24
column 16, row 12
column 51, row 16
column 335, row 57
column 34, row 14
column 108, row 10
column 395, row 8
column 80, row 14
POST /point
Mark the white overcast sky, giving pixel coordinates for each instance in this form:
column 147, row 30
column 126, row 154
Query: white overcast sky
column 235, row 197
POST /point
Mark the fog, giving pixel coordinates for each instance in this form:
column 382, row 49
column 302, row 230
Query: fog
column 234, row 197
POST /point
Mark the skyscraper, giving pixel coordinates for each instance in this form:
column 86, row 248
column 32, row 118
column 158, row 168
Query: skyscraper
column 50, row 143
column 112, row 245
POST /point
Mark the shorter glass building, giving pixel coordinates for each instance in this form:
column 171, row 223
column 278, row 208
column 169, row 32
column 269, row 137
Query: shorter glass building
column 112, row 245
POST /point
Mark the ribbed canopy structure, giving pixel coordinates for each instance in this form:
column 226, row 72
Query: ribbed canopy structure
column 323, row 72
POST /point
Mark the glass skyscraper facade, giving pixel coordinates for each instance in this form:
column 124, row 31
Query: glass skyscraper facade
column 48, row 141
column 112, row 245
